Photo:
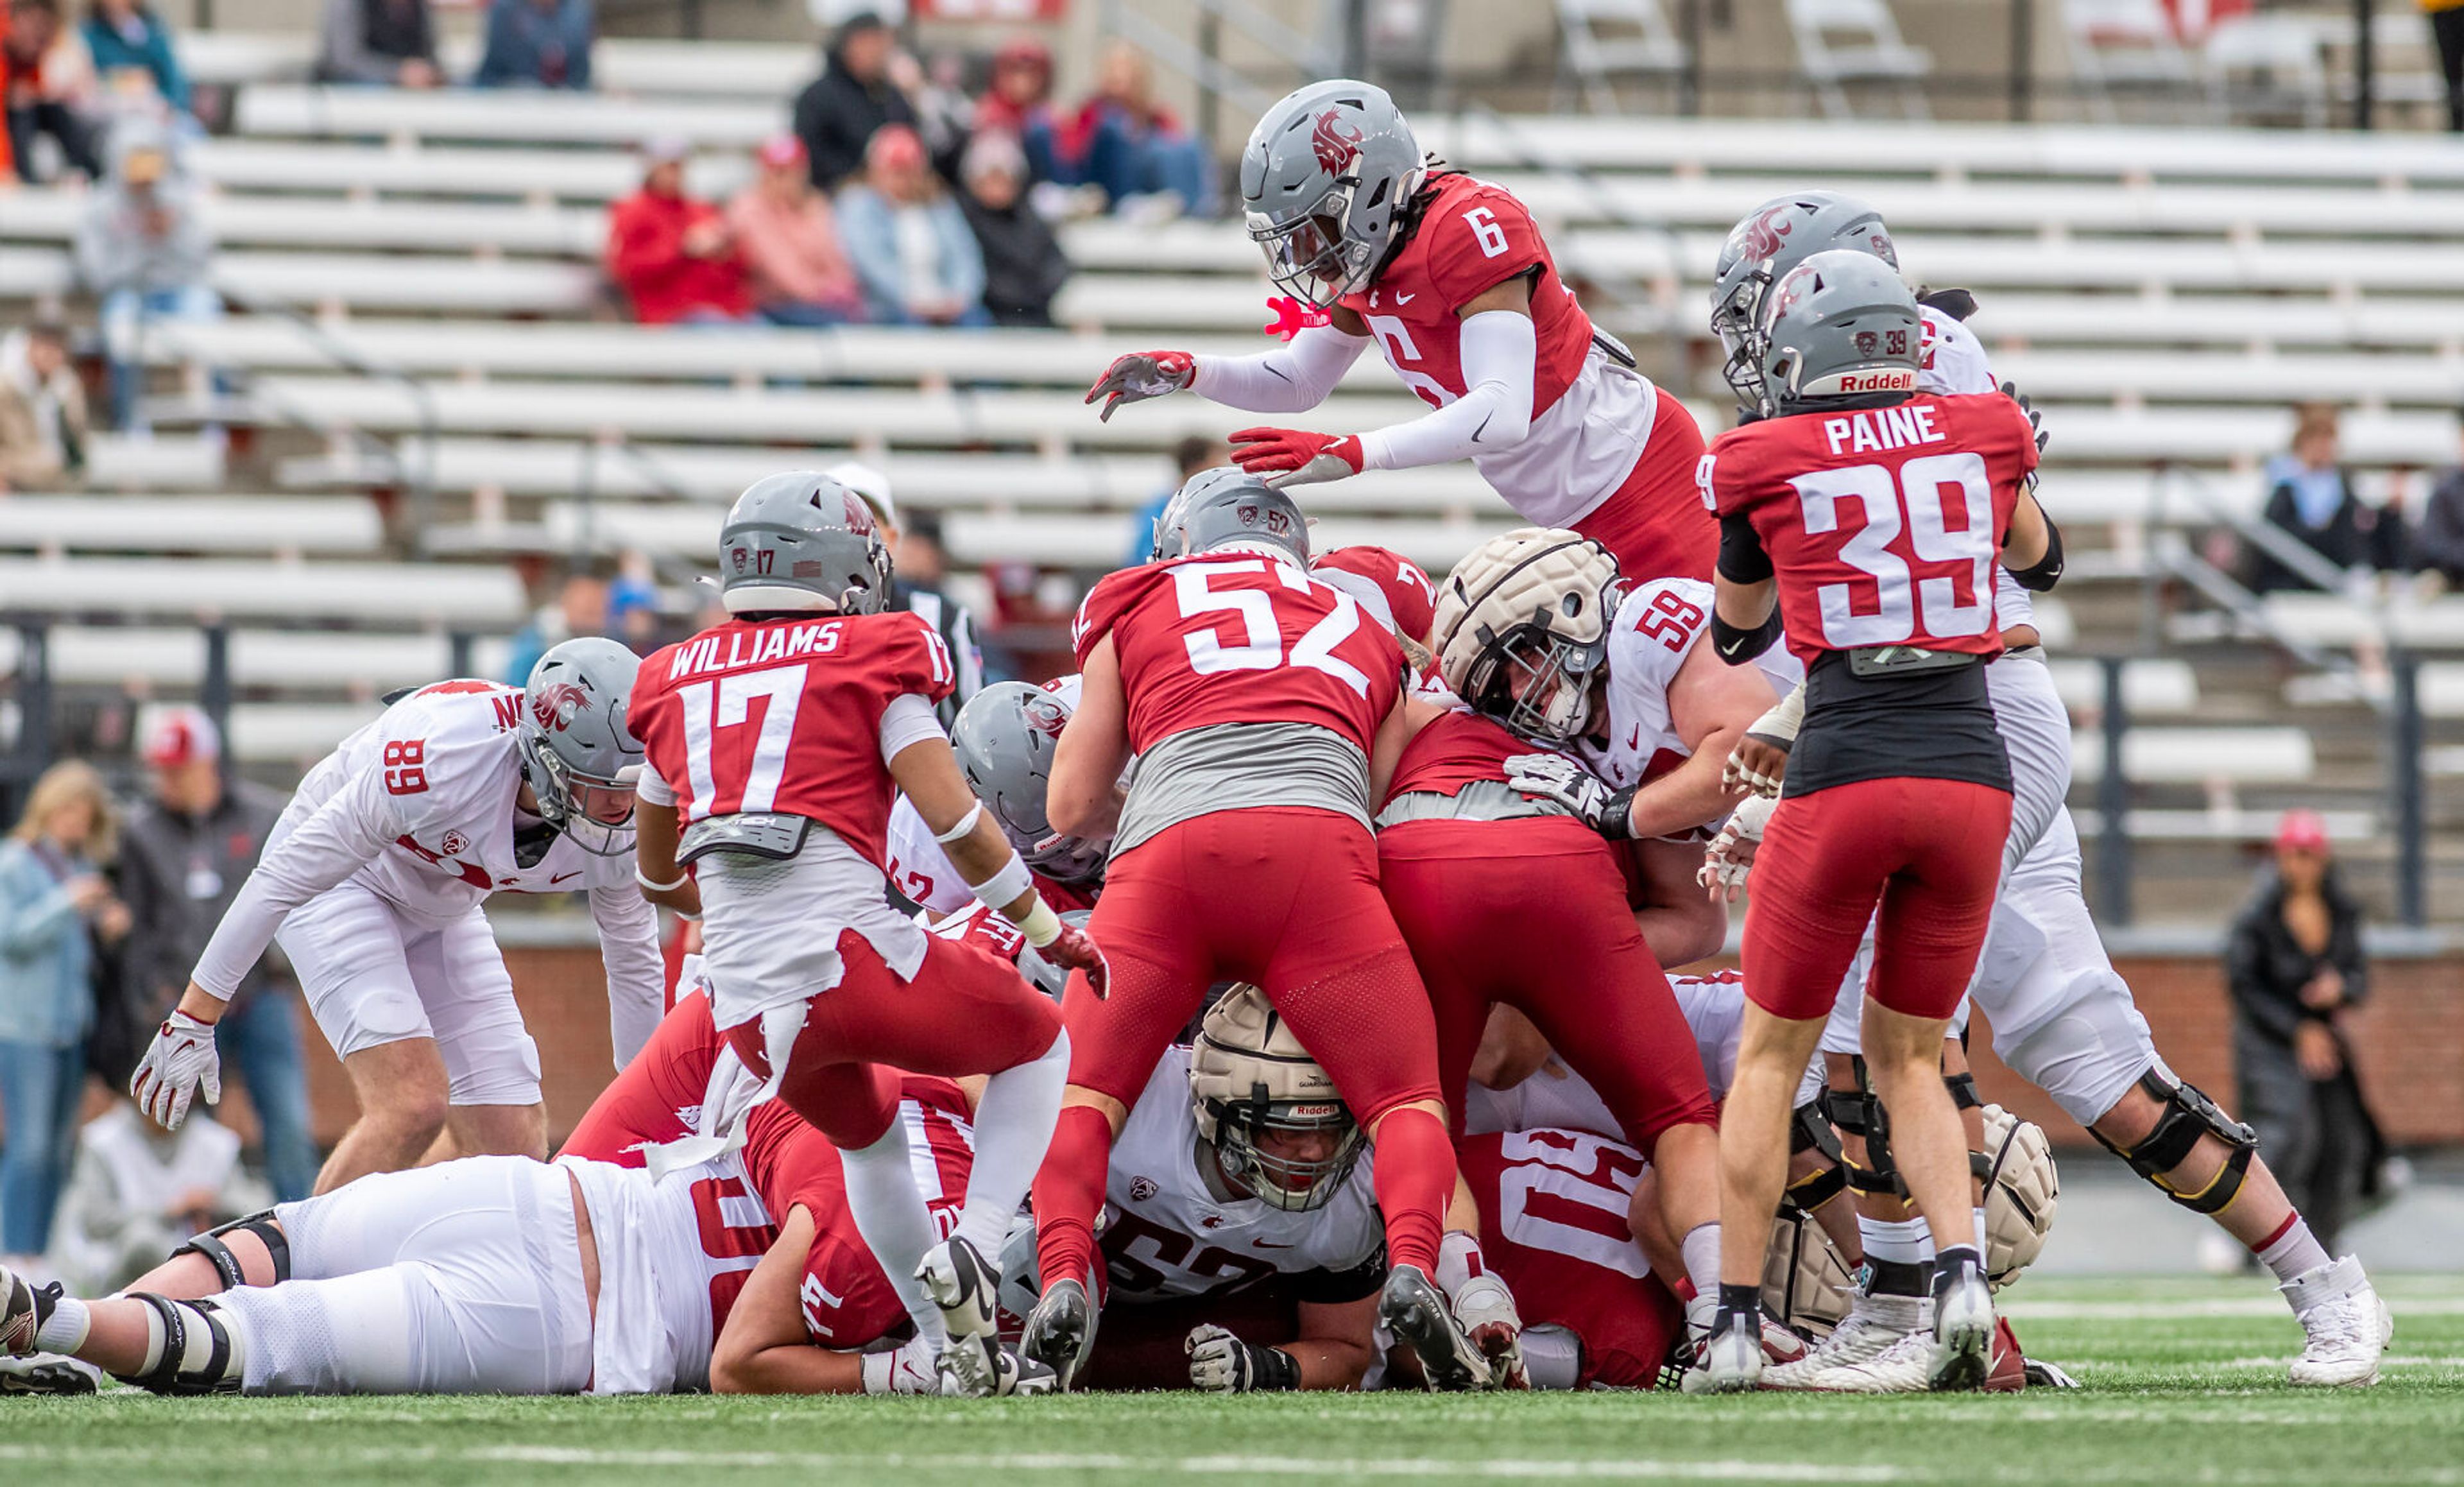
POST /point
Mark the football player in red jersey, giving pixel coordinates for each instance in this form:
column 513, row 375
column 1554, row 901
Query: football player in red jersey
column 779, row 738
column 1256, row 698
column 1898, row 791
column 1395, row 592
column 1451, row 278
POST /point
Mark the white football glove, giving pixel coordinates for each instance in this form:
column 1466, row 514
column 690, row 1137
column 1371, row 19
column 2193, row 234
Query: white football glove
column 907, row 1369
column 181, row 1060
column 1731, row 852
column 1559, row 779
column 1222, row 1364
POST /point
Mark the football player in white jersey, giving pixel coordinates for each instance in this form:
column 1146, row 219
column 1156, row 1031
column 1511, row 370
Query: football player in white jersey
column 373, row 884
column 2062, row 1018
column 1003, row 738
column 1241, row 1228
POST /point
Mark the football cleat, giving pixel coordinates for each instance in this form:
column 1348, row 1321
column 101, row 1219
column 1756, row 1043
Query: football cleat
column 2007, row 1370
column 1963, row 1331
column 1873, row 1324
column 22, row 1310
column 1485, row 1310
column 981, row 1367
column 1413, row 1310
column 2348, row 1327
column 1903, row 1368
column 1059, row 1332
column 966, row 1289
column 47, row 1375
column 1730, row 1362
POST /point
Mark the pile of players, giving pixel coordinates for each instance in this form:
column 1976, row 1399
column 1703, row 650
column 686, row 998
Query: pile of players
column 1279, row 1001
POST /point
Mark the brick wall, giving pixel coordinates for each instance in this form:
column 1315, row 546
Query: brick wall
column 2411, row 1050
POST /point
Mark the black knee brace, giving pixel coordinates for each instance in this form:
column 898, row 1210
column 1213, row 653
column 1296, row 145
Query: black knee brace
column 210, row 1243
column 2187, row 1115
column 1963, row 1091
column 220, row 1373
column 1808, row 1131
column 1859, row 1113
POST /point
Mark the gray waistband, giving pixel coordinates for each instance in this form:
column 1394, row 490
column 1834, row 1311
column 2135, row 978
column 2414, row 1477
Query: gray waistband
column 1242, row 766
column 1482, row 800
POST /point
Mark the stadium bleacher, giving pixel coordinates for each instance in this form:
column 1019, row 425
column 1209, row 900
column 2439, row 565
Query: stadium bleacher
column 2162, row 294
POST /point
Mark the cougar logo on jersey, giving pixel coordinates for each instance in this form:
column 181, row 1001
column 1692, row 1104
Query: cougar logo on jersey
column 1335, row 150
column 556, row 706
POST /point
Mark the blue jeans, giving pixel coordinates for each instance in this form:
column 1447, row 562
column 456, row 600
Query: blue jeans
column 39, row 1089
column 124, row 315
column 261, row 1037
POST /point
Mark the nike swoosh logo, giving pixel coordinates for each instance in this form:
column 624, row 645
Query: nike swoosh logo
column 1636, row 741
column 1483, row 429
column 1400, row 302
column 561, row 877
column 1268, row 1244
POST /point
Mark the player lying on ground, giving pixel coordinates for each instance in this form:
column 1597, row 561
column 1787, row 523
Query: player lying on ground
column 2061, row 1018
column 1255, row 697
column 780, row 739
column 373, row 883
column 1450, row 275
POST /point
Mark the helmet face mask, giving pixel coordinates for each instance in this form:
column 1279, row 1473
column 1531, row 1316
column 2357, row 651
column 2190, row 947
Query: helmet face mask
column 1539, row 684
column 1309, row 262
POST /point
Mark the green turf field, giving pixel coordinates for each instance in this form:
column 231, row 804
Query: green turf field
column 2193, row 1396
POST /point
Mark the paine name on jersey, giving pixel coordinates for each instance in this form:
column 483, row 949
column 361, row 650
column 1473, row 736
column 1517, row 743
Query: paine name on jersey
column 1169, row 1232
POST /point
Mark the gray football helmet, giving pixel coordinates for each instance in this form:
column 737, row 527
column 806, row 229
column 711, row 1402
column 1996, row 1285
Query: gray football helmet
column 1325, row 179
column 801, row 541
column 1842, row 325
column 1229, row 504
column 1765, row 244
column 1004, row 738
column 578, row 751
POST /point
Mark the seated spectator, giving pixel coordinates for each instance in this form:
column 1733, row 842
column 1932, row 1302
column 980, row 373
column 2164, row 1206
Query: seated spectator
column 909, row 241
column 581, row 608
column 47, row 80
column 2310, row 498
column 1019, row 103
column 144, row 249
column 131, row 48
column 378, row 43
column 798, row 271
column 674, row 257
column 42, row 411
column 2438, row 542
column 136, row 1190
column 1126, row 142
column 850, row 101
column 537, row 44
column 1024, row 264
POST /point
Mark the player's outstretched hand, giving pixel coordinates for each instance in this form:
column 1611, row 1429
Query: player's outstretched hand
column 1141, row 376
column 2036, row 419
column 1731, row 852
column 181, row 1060
column 1075, row 949
column 1297, row 457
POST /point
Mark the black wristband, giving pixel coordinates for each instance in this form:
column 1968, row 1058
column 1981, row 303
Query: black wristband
column 1735, row 645
column 1273, row 1369
column 1617, row 817
column 2046, row 571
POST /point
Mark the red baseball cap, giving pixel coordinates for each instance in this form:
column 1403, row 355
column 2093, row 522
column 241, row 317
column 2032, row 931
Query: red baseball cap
column 2301, row 829
column 181, row 734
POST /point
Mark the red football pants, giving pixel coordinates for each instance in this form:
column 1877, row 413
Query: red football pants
column 965, row 1012
column 1927, row 852
column 1533, row 913
column 1288, row 899
column 1655, row 524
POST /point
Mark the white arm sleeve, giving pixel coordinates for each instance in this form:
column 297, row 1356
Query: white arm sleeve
column 341, row 837
column 1291, row 378
column 653, row 788
column 628, row 948
column 1500, row 352
column 908, row 718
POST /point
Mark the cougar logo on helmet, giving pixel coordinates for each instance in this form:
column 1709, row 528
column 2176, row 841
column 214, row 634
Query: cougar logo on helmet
column 1768, row 232
column 555, row 706
column 1335, row 150
column 1045, row 716
column 859, row 516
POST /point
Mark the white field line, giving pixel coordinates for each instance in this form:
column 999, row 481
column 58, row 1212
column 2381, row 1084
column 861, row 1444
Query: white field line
column 2157, row 1309
column 1211, row 1466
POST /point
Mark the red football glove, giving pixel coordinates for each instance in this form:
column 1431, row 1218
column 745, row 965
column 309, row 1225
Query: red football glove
column 1141, row 376
column 1076, row 950
column 1295, row 456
